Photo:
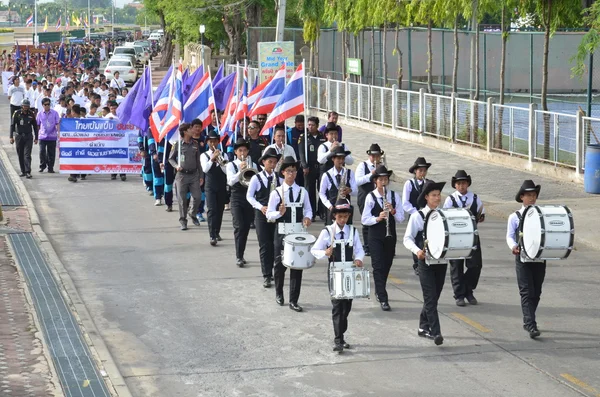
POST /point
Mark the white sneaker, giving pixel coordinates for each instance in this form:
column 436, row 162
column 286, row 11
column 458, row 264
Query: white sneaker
column 158, row 202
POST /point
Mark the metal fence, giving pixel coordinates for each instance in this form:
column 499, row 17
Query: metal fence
column 557, row 138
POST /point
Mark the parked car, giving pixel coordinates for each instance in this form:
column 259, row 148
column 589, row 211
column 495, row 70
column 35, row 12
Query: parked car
column 129, row 57
column 155, row 37
column 126, row 68
column 128, row 51
column 142, row 54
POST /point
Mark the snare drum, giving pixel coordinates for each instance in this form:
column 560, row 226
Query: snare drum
column 450, row 234
column 349, row 283
column 296, row 251
column 548, row 232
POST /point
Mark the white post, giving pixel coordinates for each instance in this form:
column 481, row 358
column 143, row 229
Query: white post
column 579, row 128
column 35, row 23
column 453, row 123
column 490, row 124
column 532, row 132
column 422, row 115
column 113, row 21
column 89, row 22
column 347, row 98
column 280, row 20
column 394, row 107
column 328, row 95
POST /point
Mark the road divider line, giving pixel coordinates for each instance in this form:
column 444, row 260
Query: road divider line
column 579, row 383
column 470, row 322
column 395, row 280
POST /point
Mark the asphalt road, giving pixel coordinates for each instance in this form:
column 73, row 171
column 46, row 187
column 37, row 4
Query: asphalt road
column 182, row 320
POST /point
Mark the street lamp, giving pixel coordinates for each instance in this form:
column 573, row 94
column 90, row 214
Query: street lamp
column 202, row 29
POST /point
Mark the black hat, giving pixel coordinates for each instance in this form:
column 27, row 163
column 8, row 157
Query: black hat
column 461, row 175
column 331, row 127
column 270, row 153
column 339, row 152
column 429, row 187
column 381, row 171
column 241, row 142
column 419, row 162
column 528, row 186
column 213, row 134
column 25, row 102
column 342, row 205
column 287, row 162
column 375, row 149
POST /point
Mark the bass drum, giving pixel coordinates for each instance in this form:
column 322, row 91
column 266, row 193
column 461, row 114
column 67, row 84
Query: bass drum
column 548, row 232
column 450, row 234
column 296, row 251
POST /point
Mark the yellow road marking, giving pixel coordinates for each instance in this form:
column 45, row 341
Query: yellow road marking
column 470, row 322
column 580, row 383
column 395, row 280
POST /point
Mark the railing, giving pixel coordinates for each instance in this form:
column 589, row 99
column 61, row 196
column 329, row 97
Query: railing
column 556, row 138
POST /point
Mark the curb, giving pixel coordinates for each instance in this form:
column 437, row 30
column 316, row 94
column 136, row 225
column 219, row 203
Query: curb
column 102, row 356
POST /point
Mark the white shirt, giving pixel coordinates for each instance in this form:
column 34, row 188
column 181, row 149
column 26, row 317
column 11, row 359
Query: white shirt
column 324, row 152
column 110, row 116
column 232, row 176
column 368, row 219
column 512, row 229
column 38, row 102
column 275, row 199
column 56, row 90
column 255, row 185
column 408, row 187
column 29, row 93
column 61, row 110
column 326, row 184
column 16, row 94
column 464, row 201
column 206, row 163
column 360, row 176
column 324, row 241
column 117, row 83
column 287, row 151
column 415, row 225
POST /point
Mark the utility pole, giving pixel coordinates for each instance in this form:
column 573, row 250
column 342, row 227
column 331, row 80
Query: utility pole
column 89, row 20
column 35, row 23
column 280, row 20
column 472, row 68
column 113, row 19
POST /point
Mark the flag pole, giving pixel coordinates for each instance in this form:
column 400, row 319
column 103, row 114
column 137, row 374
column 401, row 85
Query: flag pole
column 245, row 107
column 305, row 120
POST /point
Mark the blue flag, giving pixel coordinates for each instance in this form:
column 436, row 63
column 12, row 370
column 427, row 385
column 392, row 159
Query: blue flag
column 61, row 55
column 140, row 111
column 191, row 81
column 221, row 91
column 162, row 84
column 218, row 75
column 125, row 108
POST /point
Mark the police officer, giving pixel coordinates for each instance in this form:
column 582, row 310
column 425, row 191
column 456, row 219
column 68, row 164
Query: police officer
column 189, row 172
column 258, row 144
column 308, row 159
column 23, row 123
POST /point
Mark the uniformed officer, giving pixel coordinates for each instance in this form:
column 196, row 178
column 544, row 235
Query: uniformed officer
column 215, row 187
column 363, row 174
column 345, row 239
column 261, row 186
column 241, row 209
column 381, row 216
column 431, row 276
column 334, row 180
column 465, row 273
column 23, row 124
column 290, row 207
column 258, row 144
column 310, row 164
column 185, row 158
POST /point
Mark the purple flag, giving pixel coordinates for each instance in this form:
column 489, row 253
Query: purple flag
column 222, row 89
column 162, row 84
column 218, row 76
column 191, row 81
column 140, row 111
column 186, row 74
column 125, row 109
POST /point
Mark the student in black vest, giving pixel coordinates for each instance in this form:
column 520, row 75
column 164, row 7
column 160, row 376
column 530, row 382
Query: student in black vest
column 431, row 276
column 331, row 181
column 261, row 186
column 241, row 210
column 326, row 149
column 363, row 174
column 215, row 186
column 345, row 238
column 530, row 274
column 381, row 216
column 464, row 281
column 412, row 189
column 289, row 206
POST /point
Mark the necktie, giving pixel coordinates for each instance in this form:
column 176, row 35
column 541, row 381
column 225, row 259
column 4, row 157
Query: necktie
column 341, row 235
column 291, row 194
column 464, row 203
column 338, row 179
column 269, row 180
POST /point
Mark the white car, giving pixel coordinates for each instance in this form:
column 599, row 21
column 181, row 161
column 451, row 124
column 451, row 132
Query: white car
column 127, row 70
column 155, row 37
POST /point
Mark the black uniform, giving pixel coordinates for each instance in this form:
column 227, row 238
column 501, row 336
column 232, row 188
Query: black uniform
column 169, row 173
column 363, row 190
column 257, row 147
column 413, row 198
column 23, row 124
column 333, row 192
column 215, row 189
column 241, row 212
column 311, row 181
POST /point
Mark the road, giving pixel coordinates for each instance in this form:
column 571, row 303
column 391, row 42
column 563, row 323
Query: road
column 181, row 319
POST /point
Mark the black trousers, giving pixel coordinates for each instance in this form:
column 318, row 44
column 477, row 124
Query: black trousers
column 295, row 275
column 215, row 202
column 311, row 184
column 24, row 144
column 432, row 281
column 339, row 314
column 382, row 256
column 365, row 229
column 530, row 277
column 265, row 234
column 242, row 215
column 47, row 154
column 464, row 281
column 13, row 109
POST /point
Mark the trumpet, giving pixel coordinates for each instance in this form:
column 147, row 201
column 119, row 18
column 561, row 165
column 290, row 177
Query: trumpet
column 220, row 159
column 248, row 172
column 281, row 152
column 342, row 185
column 272, row 187
column 382, row 161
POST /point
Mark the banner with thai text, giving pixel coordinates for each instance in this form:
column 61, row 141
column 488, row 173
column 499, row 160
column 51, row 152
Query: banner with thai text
column 98, row 146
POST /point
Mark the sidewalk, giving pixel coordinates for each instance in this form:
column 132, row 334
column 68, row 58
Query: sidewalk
column 495, row 185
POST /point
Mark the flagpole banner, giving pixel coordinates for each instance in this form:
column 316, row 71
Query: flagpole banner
column 272, row 55
column 98, row 146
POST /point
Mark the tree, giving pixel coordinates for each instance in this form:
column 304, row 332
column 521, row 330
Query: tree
column 311, row 12
column 590, row 41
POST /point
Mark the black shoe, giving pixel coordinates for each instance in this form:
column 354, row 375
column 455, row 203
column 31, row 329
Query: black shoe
column 534, row 332
column 295, row 307
column 471, row 299
column 338, row 348
column 195, row 221
column 367, row 253
column 183, row 225
column 28, row 176
column 267, row 282
column 123, row 178
column 169, row 208
column 219, row 238
column 83, row 177
column 346, row 345
column 42, row 169
column 424, row 333
column 376, row 298
column 72, row 179
column 113, row 177
column 213, row 242
column 50, row 171
column 279, row 299
column 239, row 263
column 438, row 340
column 245, row 261
column 22, row 174
column 385, row 306
column 460, row 302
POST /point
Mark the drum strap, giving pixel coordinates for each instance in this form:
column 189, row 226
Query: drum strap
column 347, row 241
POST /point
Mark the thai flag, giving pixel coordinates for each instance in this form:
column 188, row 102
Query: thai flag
column 257, row 92
column 58, row 24
column 161, row 106
column 291, row 102
column 242, row 107
column 271, row 94
column 200, row 103
column 174, row 115
column 228, row 118
column 29, row 21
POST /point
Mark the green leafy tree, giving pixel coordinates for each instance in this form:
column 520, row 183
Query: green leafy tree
column 311, row 12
